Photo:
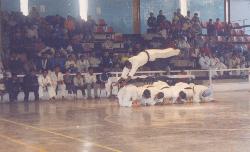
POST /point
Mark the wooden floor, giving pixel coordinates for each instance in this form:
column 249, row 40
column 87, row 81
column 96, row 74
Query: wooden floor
column 102, row 126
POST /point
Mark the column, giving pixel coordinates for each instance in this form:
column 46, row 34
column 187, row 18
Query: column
column 136, row 17
column 227, row 10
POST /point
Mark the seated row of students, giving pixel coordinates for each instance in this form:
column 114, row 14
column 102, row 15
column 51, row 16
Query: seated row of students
column 160, row 93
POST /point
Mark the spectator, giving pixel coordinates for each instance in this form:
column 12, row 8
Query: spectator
column 152, row 22
column 57, row 60
column 219, row 27
column 216, row 64
column 13, row 87
column 2, row 87
column 32, row 32
column 90, row 79
column 188, row 17
column 83, row 63
column 45, row 85
column 184, row 46
column 69, row 24
column 58, row 81
column 68, row 80
column 211, row 30
column 15, row 64
column 89, row 28
column 70, row 64
column 160, row 18
column 106, row 61
column 30, row 84
column 79, row 83
column 234, row 63
column 204, row 62
column 43, row 62
column 196, row 19
column 94, row 62
column 180, row 16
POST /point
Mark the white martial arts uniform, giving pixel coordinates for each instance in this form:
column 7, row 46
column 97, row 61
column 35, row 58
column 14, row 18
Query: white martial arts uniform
column 58, row 87
column 204, row 62
column 153, row 91
column 178, row 87
column 160, row 84
column 110, row 88
column 127, row 95
column 45, row 85
column 202, row 94
column 142, row 58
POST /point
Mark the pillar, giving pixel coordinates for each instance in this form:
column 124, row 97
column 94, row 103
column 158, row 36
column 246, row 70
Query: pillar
column 136, row 17
column 227, row 10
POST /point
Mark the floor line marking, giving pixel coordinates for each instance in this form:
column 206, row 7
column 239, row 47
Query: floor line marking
column 59, row 134
column 19, row 142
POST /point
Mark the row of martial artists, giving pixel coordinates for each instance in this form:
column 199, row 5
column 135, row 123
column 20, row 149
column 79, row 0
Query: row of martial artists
column 160, row 93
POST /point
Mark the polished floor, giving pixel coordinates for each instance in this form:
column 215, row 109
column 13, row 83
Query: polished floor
column 102, row 126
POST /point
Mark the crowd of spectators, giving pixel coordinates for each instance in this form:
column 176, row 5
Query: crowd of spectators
column 52, row 46
column 210, row 45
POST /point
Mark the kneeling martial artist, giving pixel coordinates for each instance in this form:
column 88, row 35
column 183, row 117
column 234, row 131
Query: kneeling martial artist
column 128, row 96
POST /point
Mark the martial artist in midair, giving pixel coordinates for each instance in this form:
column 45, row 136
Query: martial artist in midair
column 135, row 62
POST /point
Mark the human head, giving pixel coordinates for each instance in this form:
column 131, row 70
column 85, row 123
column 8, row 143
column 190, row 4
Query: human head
column 151, row 14
column 160, row 12
column 57, row 69
column 188, row 13
column 91, row 71
column 178, row 11
column 128, row 65
column 45, row 72
column 182, row 95
column 146, row 94
column 78, row 75
column 159, row 95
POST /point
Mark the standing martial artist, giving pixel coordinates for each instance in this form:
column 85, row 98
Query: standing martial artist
column 133, row 63
column 45, row 85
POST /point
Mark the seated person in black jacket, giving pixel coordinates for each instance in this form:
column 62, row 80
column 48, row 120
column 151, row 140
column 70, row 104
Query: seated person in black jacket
column 13, row 87
column 30, row 84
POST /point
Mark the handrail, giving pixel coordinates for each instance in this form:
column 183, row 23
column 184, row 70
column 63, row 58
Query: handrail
column 161, row 72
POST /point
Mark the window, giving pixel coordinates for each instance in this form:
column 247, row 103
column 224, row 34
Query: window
column 83, row 4
column 24, row 7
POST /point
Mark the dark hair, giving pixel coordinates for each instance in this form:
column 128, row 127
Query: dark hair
column 127, row 64
column 146, row 94
column 183, row 95
column 160, row 95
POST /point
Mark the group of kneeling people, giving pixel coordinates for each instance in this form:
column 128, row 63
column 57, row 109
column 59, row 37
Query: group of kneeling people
column 160, row 93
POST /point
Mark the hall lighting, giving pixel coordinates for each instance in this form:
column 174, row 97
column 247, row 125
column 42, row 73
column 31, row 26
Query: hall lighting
column 24, row 7
column 83, row 8
column 183, row 7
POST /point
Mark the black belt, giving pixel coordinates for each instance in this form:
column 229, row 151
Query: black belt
column 147, row 55
column 164, row 88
